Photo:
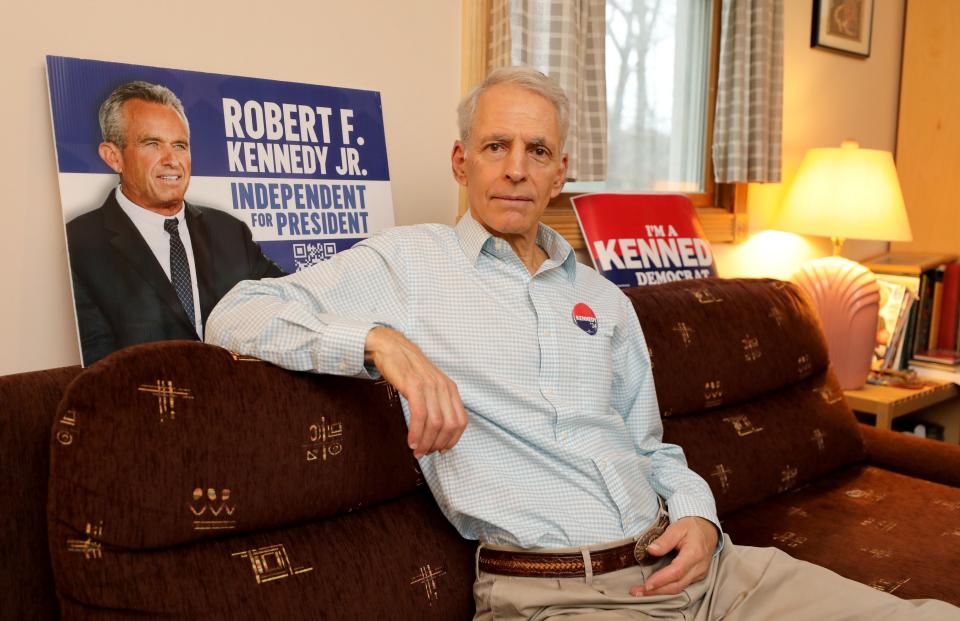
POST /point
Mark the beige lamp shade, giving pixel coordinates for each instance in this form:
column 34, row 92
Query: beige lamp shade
column 846, row 193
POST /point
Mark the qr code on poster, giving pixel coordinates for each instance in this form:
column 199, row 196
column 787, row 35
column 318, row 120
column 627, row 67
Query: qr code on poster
column 308, row 253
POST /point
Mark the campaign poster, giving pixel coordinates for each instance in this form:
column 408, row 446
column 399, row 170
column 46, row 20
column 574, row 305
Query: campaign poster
column 644, row 239
column 281, row 174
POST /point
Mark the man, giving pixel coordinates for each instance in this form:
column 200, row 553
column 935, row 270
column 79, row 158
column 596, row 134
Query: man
column 146, row 265
column 562, row 473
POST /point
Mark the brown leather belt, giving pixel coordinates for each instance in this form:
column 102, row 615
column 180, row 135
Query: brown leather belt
column 570, row 564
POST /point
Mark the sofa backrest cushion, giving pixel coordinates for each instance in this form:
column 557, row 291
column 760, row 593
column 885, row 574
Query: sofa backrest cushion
column 774, row 443
column 196, row 442
column 744, row 385
column 716, row 342
column 192, row 475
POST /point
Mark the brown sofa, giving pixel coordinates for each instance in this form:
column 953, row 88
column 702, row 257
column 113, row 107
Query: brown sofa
column 189, row 482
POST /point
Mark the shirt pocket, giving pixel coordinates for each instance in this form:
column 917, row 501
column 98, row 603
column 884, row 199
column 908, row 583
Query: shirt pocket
column 589, row 367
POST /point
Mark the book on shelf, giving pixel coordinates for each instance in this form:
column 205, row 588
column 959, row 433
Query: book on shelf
column 929, row 318
column 904, row 344
column 934, row 372
column 942, row 357
column 935, row 308
column 942, row 366
column 905, row 349
column 924, row 311
column 895, row 303
column 947, row 334
column 906, row 262
column 894, row 355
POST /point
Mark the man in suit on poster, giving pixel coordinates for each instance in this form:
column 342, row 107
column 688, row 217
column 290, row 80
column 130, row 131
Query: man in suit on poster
column 146, row 265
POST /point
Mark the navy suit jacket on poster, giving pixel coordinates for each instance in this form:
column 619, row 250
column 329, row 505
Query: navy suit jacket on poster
column 121, row 292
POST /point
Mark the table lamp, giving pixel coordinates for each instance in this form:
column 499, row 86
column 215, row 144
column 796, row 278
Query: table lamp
column 845, row 193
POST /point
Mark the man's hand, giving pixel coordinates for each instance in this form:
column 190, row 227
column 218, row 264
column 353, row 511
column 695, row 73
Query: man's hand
column 695, row 539
column 437, row 417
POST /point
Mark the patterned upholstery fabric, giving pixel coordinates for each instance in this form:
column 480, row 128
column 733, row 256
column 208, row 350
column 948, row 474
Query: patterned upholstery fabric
column 771, row 444
column 747, row 357
column 27, row 405
column 716, row 342
column 194, row 483
column 896, row 533
column 179, row 443
column 742, row 376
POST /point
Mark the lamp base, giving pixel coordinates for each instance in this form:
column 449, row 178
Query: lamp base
column 847, row 298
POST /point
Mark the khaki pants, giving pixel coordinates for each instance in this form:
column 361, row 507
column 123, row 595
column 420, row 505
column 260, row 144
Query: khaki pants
column 743, row 584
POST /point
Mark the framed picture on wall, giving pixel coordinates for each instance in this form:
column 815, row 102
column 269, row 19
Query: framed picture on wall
column 843, row 26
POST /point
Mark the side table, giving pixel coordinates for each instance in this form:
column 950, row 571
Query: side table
column 934, row 403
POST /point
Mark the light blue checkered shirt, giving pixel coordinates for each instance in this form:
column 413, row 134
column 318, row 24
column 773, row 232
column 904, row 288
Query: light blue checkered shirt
column 563, row 447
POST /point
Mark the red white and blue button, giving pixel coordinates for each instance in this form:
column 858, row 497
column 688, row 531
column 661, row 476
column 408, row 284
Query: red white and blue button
column 585, row 318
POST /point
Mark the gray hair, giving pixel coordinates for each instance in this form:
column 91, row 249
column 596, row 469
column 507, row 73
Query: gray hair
column 524, row 77
column 111, row 118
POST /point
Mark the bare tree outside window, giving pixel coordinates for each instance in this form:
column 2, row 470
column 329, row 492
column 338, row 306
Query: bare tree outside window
column 658, row 65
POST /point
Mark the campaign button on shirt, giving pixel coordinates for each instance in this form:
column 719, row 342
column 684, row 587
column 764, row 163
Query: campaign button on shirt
column 585, row 318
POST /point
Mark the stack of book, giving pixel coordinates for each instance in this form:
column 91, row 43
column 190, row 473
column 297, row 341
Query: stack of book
column 919, row 311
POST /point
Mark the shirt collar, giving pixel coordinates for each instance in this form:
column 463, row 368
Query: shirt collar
column 143, row 216
column 474, row 238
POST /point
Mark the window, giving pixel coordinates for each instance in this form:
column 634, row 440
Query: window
column 658, row 78
column 662, row 55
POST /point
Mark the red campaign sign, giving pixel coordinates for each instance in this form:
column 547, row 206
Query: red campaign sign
column 644, row 239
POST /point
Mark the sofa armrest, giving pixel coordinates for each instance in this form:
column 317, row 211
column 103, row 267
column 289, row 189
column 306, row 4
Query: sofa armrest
column 926, row 459
column 29, row 408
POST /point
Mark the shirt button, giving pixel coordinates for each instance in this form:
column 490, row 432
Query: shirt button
column 603, row 463
column 546, row 332
column 342, row 366
column 565, row 437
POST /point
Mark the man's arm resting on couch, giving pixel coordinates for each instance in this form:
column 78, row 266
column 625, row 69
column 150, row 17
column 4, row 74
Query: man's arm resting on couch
column 437, row 415
column 330, row 319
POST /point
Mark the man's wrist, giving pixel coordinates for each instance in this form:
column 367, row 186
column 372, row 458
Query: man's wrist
column 703, row 523
column 709, row 528
column 372, row 343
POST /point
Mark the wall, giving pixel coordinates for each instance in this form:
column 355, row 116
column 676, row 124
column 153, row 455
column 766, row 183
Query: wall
column 409, row 51
column 827, row 97
column 928, row 146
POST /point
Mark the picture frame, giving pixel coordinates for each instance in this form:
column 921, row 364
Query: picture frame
column 844, row 26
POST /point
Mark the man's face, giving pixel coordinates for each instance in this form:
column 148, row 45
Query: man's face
column 154, row 165
column 511, row 163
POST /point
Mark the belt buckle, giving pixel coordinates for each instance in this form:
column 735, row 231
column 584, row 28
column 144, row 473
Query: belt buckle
column 640, row 548
column 646, row 538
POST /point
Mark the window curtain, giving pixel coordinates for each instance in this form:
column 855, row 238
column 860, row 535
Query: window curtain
column 564, row 39
column 747, row 125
